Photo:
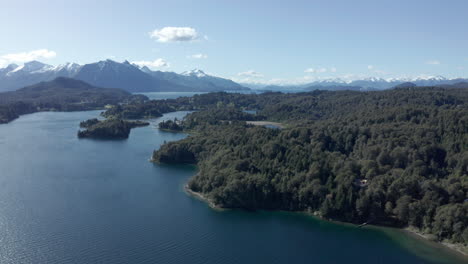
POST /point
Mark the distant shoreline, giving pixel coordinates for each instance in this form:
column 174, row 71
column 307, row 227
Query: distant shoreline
column 3, row 122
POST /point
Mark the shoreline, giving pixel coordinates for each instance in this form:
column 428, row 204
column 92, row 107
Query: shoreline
column 3, row 122
column 458, row 249
column 202, row 198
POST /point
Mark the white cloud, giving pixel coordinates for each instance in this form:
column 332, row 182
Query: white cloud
column 22, row 57
column 198, row 56
column 370, row 67
column 174, row 34
column 433, row 62
column 251, row 74
column 319, row 70
column 158, row 63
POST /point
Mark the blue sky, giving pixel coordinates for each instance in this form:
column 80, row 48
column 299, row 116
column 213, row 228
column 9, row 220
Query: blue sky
column 259, row 41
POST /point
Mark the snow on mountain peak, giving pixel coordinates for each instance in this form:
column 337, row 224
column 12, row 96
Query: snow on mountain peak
column 34, row 66
column 196, row 73
column 430, row 78
column 70, row 67
column 332, row 80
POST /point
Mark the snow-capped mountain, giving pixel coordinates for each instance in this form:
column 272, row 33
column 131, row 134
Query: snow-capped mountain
column 379, row 83
column 133, row 78
column 108, row 73
column 13, row 76
column 195, row 73
column 113, row 74
column 31, row 67
column 198, row 79
column 366, row 84
column 68, row 68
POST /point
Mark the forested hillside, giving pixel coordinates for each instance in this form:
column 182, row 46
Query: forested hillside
column 396, row 157
column 61, row 94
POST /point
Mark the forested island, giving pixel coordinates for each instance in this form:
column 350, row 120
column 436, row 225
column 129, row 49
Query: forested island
column 397, row 157
column 108, row 129
column 61, row 94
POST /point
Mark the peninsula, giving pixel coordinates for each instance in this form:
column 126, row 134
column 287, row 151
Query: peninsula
column 397, row 157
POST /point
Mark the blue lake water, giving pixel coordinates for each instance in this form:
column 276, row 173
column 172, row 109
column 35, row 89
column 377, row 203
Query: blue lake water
column 66, row 200
column 172, row 95
column 169, row 95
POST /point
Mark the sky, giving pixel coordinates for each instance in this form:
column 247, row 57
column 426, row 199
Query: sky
column 273, row 42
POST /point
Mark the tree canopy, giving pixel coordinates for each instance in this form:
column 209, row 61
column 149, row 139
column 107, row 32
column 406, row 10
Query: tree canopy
column 409, row 144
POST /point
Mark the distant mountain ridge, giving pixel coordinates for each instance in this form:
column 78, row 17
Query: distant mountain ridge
column 112, row 74
column 197, row 79
column 367, row 84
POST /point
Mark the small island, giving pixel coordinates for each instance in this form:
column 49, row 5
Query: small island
column 171, row 125
column 108, row 129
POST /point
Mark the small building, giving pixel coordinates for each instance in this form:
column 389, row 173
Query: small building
column 361, row 183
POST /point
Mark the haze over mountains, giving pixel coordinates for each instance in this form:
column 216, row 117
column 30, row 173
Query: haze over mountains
column 113, row 74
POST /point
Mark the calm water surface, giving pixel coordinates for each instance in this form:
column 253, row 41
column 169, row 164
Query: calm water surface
column 169, row 95
column 65, row 200
column 172, row 95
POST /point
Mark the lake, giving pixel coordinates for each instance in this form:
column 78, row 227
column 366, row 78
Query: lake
column 172, row 95
column 70, row 200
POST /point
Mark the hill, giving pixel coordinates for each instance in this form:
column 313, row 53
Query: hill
column 406, row 85
column 61, row 94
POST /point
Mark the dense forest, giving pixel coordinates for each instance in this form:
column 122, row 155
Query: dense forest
column 61, row 94
column 397, row 157
column 108, row 129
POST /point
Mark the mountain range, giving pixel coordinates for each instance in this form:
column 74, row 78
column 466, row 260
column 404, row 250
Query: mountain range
column 133, row 78
column 112, row 74
column 367, row 84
